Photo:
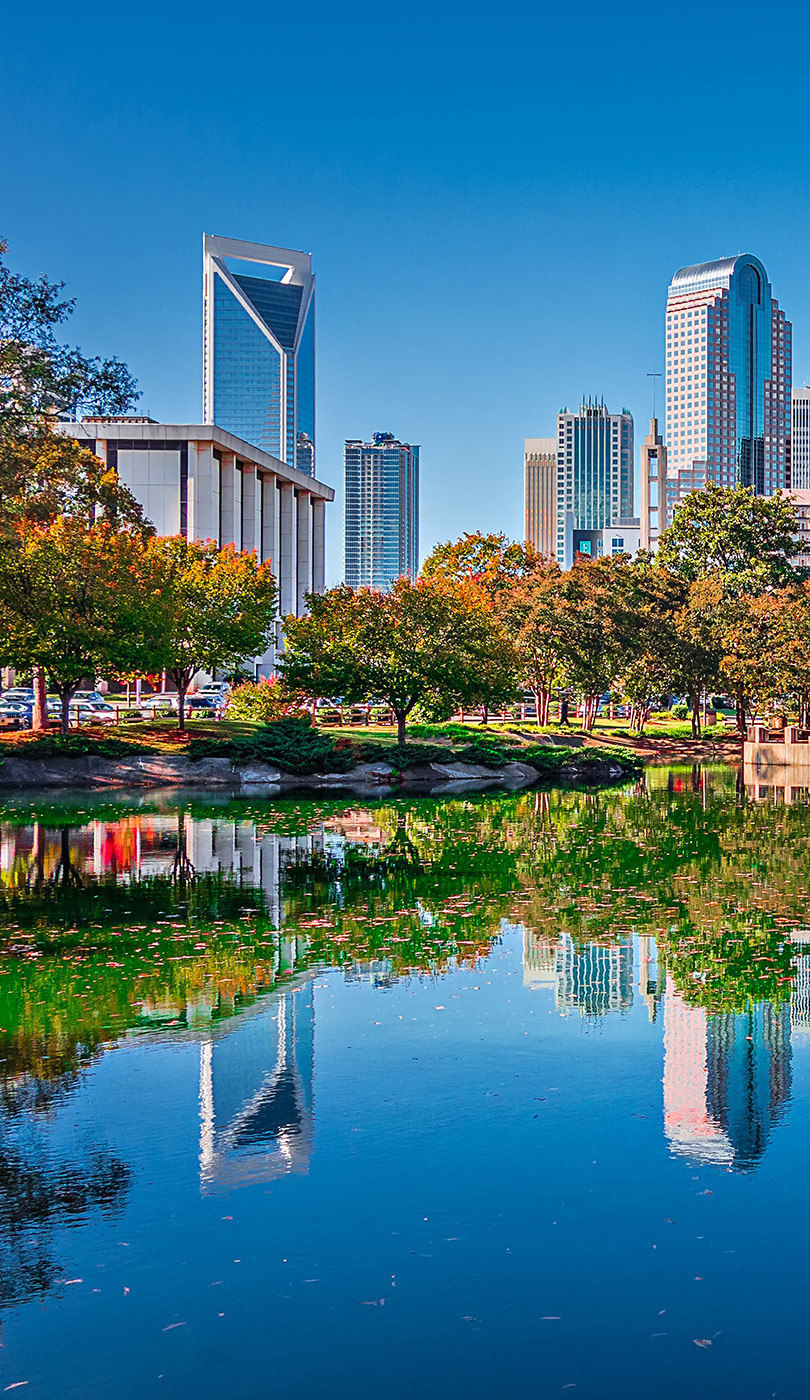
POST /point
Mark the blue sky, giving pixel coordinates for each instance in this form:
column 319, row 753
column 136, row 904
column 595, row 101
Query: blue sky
column 495, row 199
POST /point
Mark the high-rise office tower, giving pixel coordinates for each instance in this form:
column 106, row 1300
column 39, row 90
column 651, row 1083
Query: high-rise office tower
column 800, row 439
column 259, row 347
column 381, row 511
column 594, row 477
column 540, row 494
column 728, row 380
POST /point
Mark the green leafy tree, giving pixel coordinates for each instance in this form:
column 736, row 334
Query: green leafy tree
column 528, row 609
column 213, row 608
column 72, row 603
column 38, row 374
column 423, row 641
column 729, row 533
column 599, row 626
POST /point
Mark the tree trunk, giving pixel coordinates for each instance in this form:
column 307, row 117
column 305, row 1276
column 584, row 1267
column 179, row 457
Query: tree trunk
column 545, row 702
column 65, row 698
column 181, row 708
column 400, row 717
column 538, row 720
column 739, row 705
column 39, row 718
column 696, row 714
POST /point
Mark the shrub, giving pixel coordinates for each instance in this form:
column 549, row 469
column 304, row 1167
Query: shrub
column 680, row 711
column 402, row 755
column 291, row 743
column 260, row 701
column 77, row 745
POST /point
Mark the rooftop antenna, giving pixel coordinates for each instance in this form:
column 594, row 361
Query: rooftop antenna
column 654, row 374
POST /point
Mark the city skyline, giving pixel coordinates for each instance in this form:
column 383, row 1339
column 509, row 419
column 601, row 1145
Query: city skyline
column 432, row 221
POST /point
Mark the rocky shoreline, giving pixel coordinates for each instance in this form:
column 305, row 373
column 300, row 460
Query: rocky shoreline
column 174, row 771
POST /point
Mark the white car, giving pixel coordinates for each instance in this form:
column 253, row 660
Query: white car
column 164, row 700
column 92, row 712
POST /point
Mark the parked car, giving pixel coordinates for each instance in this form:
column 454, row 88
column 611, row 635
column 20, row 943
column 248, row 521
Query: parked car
column 90, row 696
column 213, row 704
column 19, row 712
column 214, row 688
column 163, row 700
column 19, row 692
column 94, row 712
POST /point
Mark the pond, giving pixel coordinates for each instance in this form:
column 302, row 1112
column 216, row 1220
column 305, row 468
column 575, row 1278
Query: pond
column 427, row 1097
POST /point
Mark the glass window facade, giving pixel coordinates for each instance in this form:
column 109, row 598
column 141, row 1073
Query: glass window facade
column 247, row 374
column 259, row 348
column 381, row 511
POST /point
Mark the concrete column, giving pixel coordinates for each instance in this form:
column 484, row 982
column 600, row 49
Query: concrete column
column 269, row 552
column 304, row 561
column 318, row 544
column 251, row 505
column 231, row 489
column 288, row 548
column 203, row 492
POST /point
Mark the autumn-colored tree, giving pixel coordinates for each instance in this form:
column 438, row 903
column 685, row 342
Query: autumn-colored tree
column 427, row 640
column 732, row 535
column 528, row 610
column 213, row 609
column 72, row 603
column 791, row 645
column 490, row 562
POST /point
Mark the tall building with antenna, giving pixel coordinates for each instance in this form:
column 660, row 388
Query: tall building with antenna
column 595, row 456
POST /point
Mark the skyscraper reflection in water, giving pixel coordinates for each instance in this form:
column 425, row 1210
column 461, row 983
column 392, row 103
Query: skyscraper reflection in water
column 726, row 1075
column 727, row 1078
column 256, row 1106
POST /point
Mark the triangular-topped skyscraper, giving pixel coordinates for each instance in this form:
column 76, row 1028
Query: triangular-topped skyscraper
column 259, row 346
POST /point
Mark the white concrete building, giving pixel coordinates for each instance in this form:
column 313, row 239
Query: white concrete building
column 800, row 439
column 202, row 482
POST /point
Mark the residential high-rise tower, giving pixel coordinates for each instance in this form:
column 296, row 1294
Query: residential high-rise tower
column 259, row 347
column 381, row 511
column 728, row 380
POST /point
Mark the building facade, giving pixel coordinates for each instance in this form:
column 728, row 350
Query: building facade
column 259, row 347
column 653, row 488
column 381, row 504
column 540, row 494
column 199, row 481
column 595, row 456
column 800, row 439
column 728, row 380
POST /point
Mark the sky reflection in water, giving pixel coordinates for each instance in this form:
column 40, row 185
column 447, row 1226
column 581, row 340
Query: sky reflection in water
column 422, row 1099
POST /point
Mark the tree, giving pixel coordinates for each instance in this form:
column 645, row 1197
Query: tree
column 491, row 562
column 48, row 475
column 528, row 609
column 729, row 533
column 599, row 626
column 427, row 640
column 73, row 603
column 652, row 664
column 215, row 608
column 38, row 375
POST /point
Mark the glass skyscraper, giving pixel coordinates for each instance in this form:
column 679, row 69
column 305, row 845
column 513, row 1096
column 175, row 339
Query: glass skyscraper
column 728, row 380
column 259, row 347
column 381, row 511
column 594, row 477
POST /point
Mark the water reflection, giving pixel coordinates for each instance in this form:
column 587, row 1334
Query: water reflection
column 256, row 1103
